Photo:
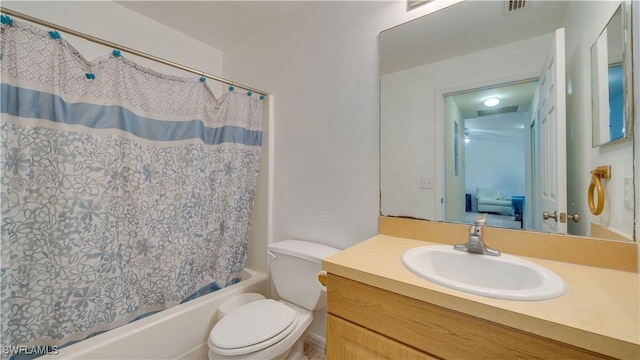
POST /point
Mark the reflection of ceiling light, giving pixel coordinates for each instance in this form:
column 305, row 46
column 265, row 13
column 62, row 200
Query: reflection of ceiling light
column 466, row 139
column 491, row 102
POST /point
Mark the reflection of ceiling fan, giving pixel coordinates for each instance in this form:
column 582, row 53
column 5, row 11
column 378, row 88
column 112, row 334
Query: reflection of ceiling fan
column 471, row 135
column 480, row 134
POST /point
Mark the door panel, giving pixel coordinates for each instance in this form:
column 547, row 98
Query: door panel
column 553, row 161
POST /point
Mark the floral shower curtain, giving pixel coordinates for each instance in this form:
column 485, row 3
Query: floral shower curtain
column 124, row 191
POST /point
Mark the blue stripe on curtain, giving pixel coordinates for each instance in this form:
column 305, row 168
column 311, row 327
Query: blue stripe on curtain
column 27, row 103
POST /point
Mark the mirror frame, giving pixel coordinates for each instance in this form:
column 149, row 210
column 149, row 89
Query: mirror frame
column 627, row 79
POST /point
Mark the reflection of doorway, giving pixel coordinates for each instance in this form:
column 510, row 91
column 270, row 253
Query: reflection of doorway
column 489, row 162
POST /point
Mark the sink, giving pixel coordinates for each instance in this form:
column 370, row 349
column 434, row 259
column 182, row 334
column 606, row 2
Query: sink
column 503, row 277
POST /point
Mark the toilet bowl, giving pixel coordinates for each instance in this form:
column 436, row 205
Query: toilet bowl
column 264, row 329
column 270, row 329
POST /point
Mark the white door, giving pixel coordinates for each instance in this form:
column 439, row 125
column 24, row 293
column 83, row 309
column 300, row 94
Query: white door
column 553, row 160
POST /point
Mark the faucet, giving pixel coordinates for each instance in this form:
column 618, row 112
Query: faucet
column 476, row 244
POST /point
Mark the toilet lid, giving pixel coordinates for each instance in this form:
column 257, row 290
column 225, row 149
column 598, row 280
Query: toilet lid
column 253, row 324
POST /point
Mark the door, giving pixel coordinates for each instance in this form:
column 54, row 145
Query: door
column 553, row 160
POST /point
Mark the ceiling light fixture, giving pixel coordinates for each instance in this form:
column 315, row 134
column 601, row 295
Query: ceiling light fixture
column 491, row 102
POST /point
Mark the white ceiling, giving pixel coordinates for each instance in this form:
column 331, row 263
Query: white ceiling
column 220, row 24
column 455, row 30
column 501, row 127
column 520, row 95
column 464, row 28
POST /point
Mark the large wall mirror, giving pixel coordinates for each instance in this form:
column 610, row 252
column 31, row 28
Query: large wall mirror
column 448, row 153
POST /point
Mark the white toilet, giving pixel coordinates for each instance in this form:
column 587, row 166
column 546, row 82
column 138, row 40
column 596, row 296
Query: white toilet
column 270, row 329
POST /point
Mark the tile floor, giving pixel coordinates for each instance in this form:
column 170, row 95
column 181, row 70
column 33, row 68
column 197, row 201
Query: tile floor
column 312, row 352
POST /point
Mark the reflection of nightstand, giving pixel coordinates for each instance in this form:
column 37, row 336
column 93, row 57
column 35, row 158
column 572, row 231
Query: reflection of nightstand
column 518, row 208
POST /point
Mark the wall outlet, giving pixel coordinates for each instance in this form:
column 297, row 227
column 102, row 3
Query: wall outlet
column 427, row 182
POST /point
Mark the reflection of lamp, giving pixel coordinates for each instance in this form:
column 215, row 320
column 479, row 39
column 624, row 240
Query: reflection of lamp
column 466, row 139
column 491, row 102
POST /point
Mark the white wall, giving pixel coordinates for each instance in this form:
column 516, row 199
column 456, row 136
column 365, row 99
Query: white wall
column 532, row 213
column 498, row 163
column 584, row 23
column 411, row 143
column 455, row 209
column 322, row 66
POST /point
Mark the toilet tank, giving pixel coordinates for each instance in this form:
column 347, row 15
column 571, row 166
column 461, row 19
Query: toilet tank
column 295, row 265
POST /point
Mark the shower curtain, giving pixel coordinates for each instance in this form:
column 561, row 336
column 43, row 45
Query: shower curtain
column 124, row 191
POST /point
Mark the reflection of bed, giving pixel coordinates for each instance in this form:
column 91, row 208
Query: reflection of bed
column 489, row 200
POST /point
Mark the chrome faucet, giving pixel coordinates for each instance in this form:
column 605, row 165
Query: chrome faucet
column 476, row 244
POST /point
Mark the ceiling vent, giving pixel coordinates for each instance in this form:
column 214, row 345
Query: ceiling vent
column 514, row 5
column 495, row 111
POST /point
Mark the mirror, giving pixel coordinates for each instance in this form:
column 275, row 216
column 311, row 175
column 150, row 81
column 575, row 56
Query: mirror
column 427, row 66
column 608, row 77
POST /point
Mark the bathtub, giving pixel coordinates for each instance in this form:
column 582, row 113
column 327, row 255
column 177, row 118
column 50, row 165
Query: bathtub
column 179, row 332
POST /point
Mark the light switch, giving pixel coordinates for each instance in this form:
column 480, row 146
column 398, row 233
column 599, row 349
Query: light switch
column 427, row 182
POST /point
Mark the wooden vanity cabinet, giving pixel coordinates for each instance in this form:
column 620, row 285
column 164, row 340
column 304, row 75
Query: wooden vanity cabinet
column 351, row 341
column 365, row 322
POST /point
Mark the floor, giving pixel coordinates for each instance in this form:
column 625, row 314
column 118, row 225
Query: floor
column 502, row 221
column 312, row 352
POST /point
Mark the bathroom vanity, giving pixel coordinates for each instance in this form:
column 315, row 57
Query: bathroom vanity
column 378, row 309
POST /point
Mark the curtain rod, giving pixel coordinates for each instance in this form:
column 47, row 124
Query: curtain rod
column 125, row 49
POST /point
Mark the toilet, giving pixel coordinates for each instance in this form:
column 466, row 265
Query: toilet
column 273, row 329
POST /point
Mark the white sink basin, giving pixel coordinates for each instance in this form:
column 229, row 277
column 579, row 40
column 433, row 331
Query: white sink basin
column 502, row 277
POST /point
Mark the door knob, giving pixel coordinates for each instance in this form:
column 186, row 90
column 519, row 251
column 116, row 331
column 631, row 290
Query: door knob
column 546, row 215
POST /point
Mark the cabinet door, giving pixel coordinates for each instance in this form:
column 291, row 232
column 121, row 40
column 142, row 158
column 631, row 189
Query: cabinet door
column 346, row 340
column 435, row 330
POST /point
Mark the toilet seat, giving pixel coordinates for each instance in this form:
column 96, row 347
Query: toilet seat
column 252, row 327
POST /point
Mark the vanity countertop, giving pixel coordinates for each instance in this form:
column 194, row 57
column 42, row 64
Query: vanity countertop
column 599, row 312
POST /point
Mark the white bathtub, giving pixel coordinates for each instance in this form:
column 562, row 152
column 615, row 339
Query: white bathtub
column 179, row 332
